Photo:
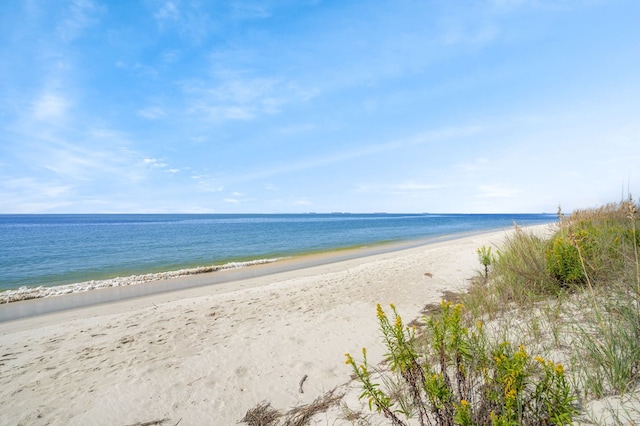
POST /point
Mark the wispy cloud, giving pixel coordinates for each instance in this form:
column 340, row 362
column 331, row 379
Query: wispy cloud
column 188, row 19
column 402, row 188
column 459, row 34
column 302, row 202
column 434, row 136
column 207, row 183
column 50, row 106
column 152, row 113
column 496, row 191
column 80, row 15
column 248, row 10
column 235, row 98
column 168, row 11
column 29, row 194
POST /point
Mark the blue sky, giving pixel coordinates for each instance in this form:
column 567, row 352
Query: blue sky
column 156, row 106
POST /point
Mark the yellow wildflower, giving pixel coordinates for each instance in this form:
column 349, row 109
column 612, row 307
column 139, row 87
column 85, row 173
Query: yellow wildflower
column 379, row 311
column 349, row 360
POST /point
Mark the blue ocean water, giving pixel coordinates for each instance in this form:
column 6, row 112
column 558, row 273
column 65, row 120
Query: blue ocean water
column 49, row 250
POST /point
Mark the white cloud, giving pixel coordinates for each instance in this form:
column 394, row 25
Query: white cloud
column 31, row 186
column 160, row 165
column 440, row 135
column 496, row 191
column 245, row 10
column 168, row 12
column 170, row 56
column 50, row 106
column 229, row 113
column 476, row 37
column 154, row 162
column 397, row 188
column 73, row 162
column 32, row 195
column 233, row 96
column 207, row 183
column 82, row 14
column 152, row 113
column 188, row 19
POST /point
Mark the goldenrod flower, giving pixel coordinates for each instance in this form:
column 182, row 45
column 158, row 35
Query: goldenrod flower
column 349, row 360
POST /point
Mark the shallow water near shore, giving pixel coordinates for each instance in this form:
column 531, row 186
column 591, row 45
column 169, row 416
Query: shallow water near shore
column 53, row 250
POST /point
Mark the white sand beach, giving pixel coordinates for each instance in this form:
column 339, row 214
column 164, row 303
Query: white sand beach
column 205, row 355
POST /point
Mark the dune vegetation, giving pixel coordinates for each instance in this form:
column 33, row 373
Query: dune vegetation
column 548, row 333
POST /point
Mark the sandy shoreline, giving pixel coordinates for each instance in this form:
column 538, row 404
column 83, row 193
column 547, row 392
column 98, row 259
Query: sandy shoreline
column 28, row 301
column 206, row 354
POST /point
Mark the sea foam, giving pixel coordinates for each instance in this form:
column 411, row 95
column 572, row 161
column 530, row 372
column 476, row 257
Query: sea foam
column 26, row 293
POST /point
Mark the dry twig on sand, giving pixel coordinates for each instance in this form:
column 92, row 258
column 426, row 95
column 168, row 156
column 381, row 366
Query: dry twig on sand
column 300, row 416
column 262, row 415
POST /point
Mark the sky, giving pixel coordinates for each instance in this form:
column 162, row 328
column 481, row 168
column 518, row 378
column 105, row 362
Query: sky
column 196, row 106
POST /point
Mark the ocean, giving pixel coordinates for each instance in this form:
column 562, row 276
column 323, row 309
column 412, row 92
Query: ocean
column 53, row 250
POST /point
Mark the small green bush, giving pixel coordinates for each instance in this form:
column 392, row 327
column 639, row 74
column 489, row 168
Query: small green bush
column 563, row 261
